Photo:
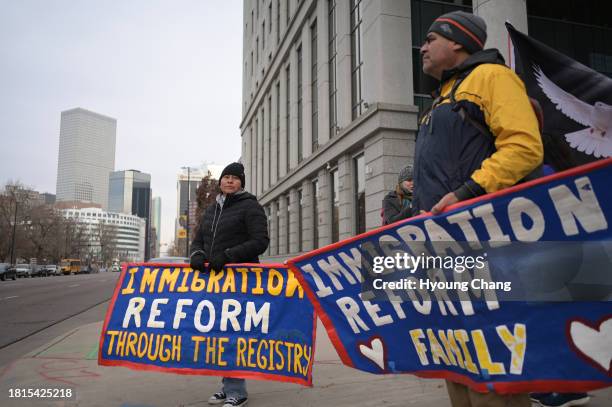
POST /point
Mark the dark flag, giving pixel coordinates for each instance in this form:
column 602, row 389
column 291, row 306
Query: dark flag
column 575, row 99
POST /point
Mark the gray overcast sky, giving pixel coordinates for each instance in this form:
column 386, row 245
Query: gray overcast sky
column 168, row 71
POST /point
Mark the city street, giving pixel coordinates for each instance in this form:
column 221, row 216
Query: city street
column 31, row 305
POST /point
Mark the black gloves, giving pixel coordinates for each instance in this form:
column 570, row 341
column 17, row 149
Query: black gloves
column 218, row 261
column 197, row 260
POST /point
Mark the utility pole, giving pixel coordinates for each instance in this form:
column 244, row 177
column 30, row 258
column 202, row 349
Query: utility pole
column 188, row 208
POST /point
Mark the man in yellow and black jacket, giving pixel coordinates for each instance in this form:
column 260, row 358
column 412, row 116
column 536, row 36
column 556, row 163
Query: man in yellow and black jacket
column 481, row 134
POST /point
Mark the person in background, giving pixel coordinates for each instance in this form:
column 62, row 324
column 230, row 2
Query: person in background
column 397, row 204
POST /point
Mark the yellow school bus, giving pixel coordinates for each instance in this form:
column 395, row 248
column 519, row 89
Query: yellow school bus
column 70, row 266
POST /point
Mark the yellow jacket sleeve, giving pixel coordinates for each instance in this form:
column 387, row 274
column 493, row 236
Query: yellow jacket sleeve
column 511, row 119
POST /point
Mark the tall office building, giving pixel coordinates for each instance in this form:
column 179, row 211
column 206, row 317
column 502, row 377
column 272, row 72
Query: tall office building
column 86, row 156
column 332, row 91
column 156, row 223
column 130, row 192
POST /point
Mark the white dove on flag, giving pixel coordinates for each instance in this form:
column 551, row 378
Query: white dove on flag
column 596, row 139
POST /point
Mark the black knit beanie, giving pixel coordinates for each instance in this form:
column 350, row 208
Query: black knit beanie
column 236, row 169
column 464, row 28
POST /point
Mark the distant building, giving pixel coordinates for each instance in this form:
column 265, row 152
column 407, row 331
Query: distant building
column 86, row 156
column 25, row 195
column 125, row 233
column 49, row 199
column 130, row 192
column 156, row 222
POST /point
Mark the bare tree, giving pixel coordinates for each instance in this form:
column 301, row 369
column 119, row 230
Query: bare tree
column 14, row 213
column 206, row 195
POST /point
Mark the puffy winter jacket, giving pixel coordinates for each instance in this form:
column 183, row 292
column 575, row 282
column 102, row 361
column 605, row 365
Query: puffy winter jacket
column 394, row 209
column 238, row 224
column 453, row 156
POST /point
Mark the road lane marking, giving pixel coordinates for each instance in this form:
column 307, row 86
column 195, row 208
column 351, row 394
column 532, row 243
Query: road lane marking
column 73, row 285
column 12, row 296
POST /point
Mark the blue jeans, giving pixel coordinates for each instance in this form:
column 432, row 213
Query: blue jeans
column 234, row 387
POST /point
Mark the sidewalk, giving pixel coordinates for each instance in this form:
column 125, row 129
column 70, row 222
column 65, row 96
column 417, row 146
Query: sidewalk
column 70, row 362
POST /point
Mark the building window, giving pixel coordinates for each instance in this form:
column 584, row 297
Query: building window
column 288, row 118
column 313, row 88
column 356, row 59
column 268, row 211
column 254, row 154
column 277, row 231
column 257, row 49
column 315, row 214
column 359, row 175
column 263, row 36
column 288, row 4
column 277, row 130
column 335, row 201
column 270, row 16
column 299, row 219
column 268, row 138
column 288, row 221
column 299, row 104
column 252, row 23
column 333, row 101
column 277, row 21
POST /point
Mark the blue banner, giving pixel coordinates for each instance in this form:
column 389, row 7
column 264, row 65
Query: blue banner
column 247, row 320
column 508, row 292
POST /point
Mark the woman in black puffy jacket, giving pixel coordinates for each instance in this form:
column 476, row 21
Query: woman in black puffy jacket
column 232, row 230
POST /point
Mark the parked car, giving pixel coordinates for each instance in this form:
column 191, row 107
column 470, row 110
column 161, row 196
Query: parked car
column 53, row 270
column 85, row 269
column 6, row 272
column 23, row 270
column 39, row 270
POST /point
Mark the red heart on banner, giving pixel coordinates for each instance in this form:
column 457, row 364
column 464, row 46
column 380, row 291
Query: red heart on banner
column 592, row 341
column 374, row 350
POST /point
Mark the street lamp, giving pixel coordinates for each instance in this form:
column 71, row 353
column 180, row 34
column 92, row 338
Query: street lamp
column 14, row 231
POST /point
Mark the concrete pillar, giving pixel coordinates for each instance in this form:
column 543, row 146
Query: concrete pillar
column 347, row 201
column 385, row 155
column 294, row 233
column 260, row 151
column 306, row 92
column 343, row 61
column 274, row 137
column 387, row 52
column 283, row 223
column 254, row 155
column 324, row 208
column 266, row 137
column 323, row 72
column 293, row 123
column 308, row 217
column 273, row 228
column 282, row 144
column 495, row 13
column 246, row 157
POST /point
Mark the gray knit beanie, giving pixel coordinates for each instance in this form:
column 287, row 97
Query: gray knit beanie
column 464, row 28
column 405, row 174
